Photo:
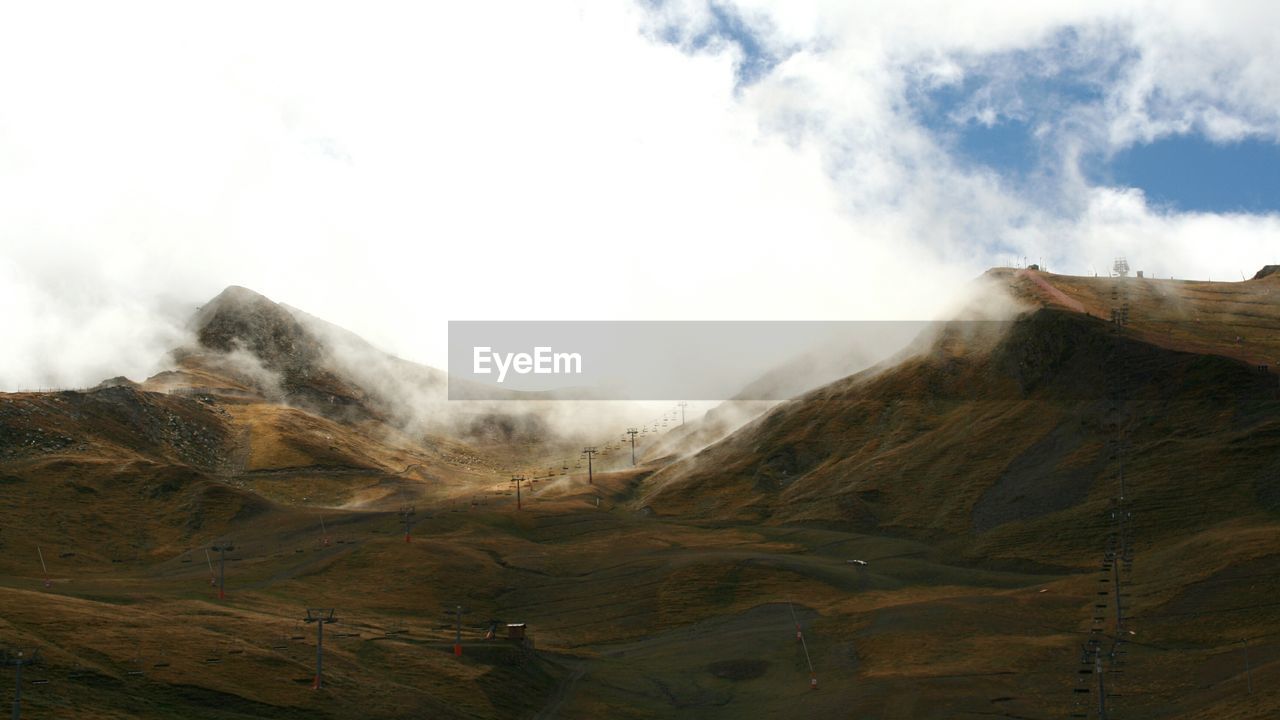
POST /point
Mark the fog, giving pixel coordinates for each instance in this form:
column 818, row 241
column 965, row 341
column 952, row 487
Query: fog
column 393, row 169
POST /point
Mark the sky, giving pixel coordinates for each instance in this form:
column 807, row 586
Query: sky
column 390, row 167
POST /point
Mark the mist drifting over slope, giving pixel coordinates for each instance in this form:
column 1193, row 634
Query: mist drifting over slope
column 394, row 169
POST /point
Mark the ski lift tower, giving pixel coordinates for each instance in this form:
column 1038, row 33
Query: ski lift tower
column 16, row 658
column 222, row 549
column 321, row 617
column 406, row 517
column 519, row 480
column 590, row 453
column 633, row 432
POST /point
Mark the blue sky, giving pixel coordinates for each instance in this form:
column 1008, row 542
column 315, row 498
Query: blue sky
column 1190, row 172
column 1011, row 110
column 1185, row 172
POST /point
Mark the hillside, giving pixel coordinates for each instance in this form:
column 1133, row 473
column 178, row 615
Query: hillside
column 266, row 404
column 999, row 432
column 974, row 478
column 245, row 345
column 1231, row 319
column 1003, row 444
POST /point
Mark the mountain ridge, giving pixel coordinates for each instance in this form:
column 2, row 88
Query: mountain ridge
column 829, row 455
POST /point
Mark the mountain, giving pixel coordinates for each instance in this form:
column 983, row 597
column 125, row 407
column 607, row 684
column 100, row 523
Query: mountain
column 1000, row 435
column 1122, row 434
column 267, row 404
column 246, row 343
column 933, row 528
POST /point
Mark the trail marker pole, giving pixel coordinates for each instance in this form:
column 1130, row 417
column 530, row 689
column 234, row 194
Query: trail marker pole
column 1248, row 674
column 44, row 568
column 213, row 579
column 321, row 617
column 457, row 636
column 813, row 677
column 590, row 452
column 222, row 549
column 324, row 532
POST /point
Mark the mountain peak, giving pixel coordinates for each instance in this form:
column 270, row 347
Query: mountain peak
column 239, row 318
column 237, row 291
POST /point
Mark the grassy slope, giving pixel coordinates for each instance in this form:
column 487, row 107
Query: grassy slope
column 1007, row 454
column 632, row 616
column 684, row 614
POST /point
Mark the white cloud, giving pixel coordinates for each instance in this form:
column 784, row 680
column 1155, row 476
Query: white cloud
column 391, row 166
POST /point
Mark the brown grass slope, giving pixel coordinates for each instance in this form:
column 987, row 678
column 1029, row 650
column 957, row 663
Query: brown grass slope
column 129, row 474
column 1003, row 439
column 974, row 477
column 1233, row 319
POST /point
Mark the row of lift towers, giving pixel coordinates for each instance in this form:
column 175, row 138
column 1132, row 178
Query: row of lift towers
column 589, row 452
column 20, row 657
